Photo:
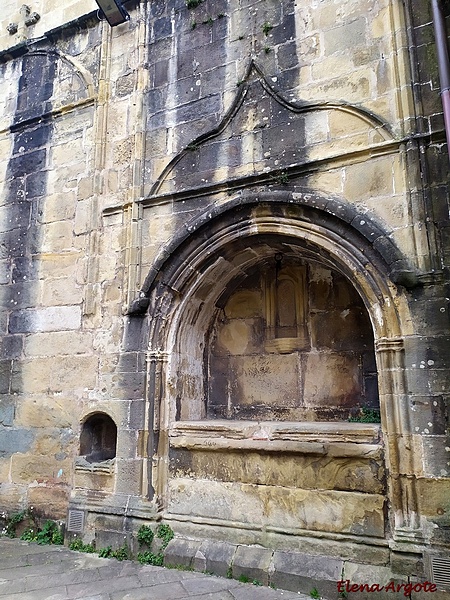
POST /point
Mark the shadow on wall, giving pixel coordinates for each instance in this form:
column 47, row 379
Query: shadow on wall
column 293, row 341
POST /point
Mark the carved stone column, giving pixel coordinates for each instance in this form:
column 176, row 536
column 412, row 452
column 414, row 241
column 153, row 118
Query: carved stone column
column 155, row 476
column 399, row 448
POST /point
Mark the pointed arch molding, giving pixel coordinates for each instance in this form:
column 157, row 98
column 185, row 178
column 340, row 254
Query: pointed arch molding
column 73, row 86
column 370, row 246
column 264, row 133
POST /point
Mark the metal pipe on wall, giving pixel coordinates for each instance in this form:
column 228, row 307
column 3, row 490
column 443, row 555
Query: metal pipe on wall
column 440, row 33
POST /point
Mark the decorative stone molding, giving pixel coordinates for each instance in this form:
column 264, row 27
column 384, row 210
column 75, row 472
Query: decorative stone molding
column 332, row 439
column 105, row 466
column 28, row 19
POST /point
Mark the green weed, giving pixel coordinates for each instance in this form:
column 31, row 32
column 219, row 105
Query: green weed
column 145, row 536
column 78, row 545
column 148, row 558
column 267, row 28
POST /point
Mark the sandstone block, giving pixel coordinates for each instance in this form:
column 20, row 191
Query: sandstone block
column 302, row 572
column 367, row 179
column 288, row 508
column 181, row 552
column 44, row 411
column 52, row 500
column 5, row 376
column 253, row 563
column 94, row 481
column 316, row 127
column 15, row 440
column 57, row 343
column 74, row 373
column 29, row 467
column 345, row 37
column 340, row 381
column 11, row 346
column 127, row 443
column 129, row 476
column 115, row 539
column 268, row 380
column 72, row 151
column 57, row 318
column 57, row 236
column 58, row 265
column 13, row 497
column 5, row 465
column 83, row 217
column 7, row 410
column 63, row 291
column 218, row 556
column 59, row 207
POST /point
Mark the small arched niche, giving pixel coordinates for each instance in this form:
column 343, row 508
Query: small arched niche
column 290, row 341
column 98, row 438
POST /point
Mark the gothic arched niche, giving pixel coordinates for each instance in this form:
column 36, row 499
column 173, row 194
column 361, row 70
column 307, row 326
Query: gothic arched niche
column 292, row 341
column 215, row 307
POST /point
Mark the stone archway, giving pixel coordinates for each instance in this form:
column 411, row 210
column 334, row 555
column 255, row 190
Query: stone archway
column 185, row 292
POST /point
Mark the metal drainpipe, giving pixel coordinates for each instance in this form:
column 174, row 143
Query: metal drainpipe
column 440, row 33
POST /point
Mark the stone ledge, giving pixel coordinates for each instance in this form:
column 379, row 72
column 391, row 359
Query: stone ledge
column 192, row 442
column 294, row 571
column 311, row 432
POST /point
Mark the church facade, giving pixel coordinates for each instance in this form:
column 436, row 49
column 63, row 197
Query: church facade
column 224, row 279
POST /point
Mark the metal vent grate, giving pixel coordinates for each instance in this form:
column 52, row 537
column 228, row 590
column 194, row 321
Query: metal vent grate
column 440, row 571
column 75, row 521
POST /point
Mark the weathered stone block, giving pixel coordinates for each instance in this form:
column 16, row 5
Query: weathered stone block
column 15, row 441
column 101, row 482
column 27, row 468
column 181, row 552
column 436, row 456
column 340, row 381
column 51, row 500
column 58, row 207
column 115, row 539
column 11, row 346
column 218, row 556
column 253, row 563
column 67, row 374
column 45, row 411
column 136, row 415
column 13, row 497
column 45, row 319
column 5, row 376
column 345, row 37
column 267, row 379
column 59, row 265
column 127, row 443
column 28, row 163
column 308, row 472
column 129, row 476
column 7, row 410
column 57, row 343
column 405, row 563
column 302, row 572
column 82, row 217
column 57, row 236
column 63, row 291
column 288, row 508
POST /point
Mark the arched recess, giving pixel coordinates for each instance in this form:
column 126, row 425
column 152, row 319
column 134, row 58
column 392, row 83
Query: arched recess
column 190, row 282
column 98, row 438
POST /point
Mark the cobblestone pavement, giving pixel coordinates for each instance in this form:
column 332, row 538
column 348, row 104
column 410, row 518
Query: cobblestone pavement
column 33, row 572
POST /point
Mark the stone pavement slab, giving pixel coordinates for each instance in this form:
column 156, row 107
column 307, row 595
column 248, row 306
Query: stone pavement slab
column 33, row 572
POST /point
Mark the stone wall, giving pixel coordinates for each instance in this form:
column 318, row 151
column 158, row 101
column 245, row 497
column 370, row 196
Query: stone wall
column 151, row 175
